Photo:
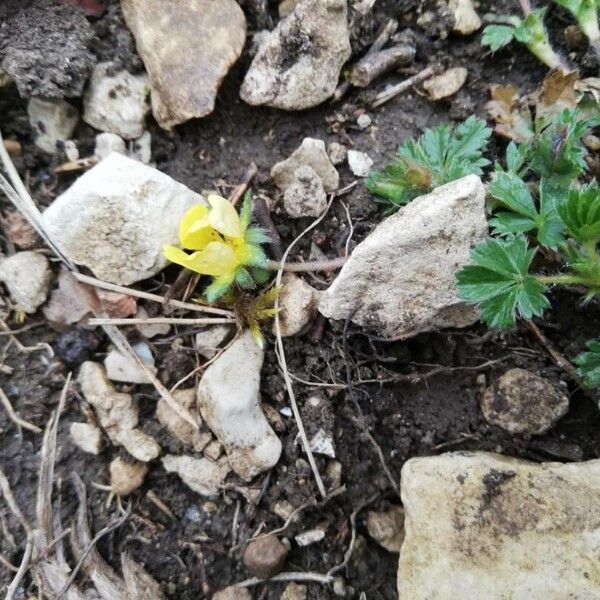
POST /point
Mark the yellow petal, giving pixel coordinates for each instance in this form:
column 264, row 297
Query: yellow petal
column 216, row 259
column 224, row 218
column 195, row 231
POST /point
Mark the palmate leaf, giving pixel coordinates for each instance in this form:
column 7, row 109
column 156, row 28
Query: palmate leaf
column 497, row 36
column 580, row 213
column 439, row 156
column 588, row 364
column 498, row 281
column 512, row 193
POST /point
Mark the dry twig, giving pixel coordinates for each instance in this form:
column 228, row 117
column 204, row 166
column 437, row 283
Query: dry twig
column 14, row 417
column 392, row 92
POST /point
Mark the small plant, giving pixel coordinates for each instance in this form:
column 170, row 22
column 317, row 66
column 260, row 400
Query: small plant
column 539, row 203
column 224, row 246
column 586, row 14
column 530, row 31
column 439, row 156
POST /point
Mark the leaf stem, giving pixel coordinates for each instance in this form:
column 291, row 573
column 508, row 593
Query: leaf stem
column 562, row 279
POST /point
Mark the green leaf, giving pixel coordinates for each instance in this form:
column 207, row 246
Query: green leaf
column 510, row 191
column 246, row 210
column 497, row 36
column 580, row 213
column 589, row 364
column 557, row 150
column 516, row 156
column 439, row 156
column 498, row 281
column 244, row 279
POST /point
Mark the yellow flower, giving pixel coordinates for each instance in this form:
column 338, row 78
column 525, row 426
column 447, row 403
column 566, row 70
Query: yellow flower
column 223, row 244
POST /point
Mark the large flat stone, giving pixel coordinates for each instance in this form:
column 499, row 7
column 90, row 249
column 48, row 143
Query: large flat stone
column 400, row 280
column 187, row 47
column 482, row 526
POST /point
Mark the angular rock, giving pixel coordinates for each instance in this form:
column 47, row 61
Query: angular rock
column 107, row 143
column 140, row 445
column 116, row 101
column 233, row 593
column 265, row 556
column 202, row 475
column 400, row 280
column 311, row 536
column 387, row 528
column 481, row 525
column 360, row 163
column 522, row 402
column 18, row 229
column 446, row 84
column 322, row 443
column 298, row 302
column 213, row 450
column 126, row 477
column 52, row 121
column 150, row 330
column 187, row 48
column 298, row 64
column 178, row 427
column 294, row 591
column 229, row 402
column 86, row 437
column 120, row 367
column 310, row 153
column 466, row 19
column 116, row 218
column 209, row 340
column 116, row 412
column 305, row 196
column 337, row 153
column 27, row 276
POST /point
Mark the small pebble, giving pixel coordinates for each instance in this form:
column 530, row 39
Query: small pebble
column 364, row 121
column 360, row 163
column 265, row 556
column 126, row 477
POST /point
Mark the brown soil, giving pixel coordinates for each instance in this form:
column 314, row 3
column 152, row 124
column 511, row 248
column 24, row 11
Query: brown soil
column 437, row 412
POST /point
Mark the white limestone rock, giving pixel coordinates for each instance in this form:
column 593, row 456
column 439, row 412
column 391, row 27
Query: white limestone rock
column 120, row 367
column 466, row 19
column 400, row 280
column 116, row 218
column 229, row 402
column 305, row 196
column 52, row 121
column 481, row 525
column 107, row 143
column 202, row 475
column 179, row 428
column 210, row 340
column 116, row 102
column 298, row 64
column 116, row 412
column 310, row 153
column 27, row 276
column 298, row 302
column 86, row 437
column 360, row 163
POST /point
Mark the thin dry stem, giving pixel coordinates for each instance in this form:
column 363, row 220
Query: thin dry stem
column 308, row 576
column 14, row 417
column 317, row 265
column 283, row 362
column 111, row 287
column 392, row 92
column 161, row 321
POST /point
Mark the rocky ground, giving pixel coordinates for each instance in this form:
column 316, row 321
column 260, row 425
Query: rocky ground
column 465, row 452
